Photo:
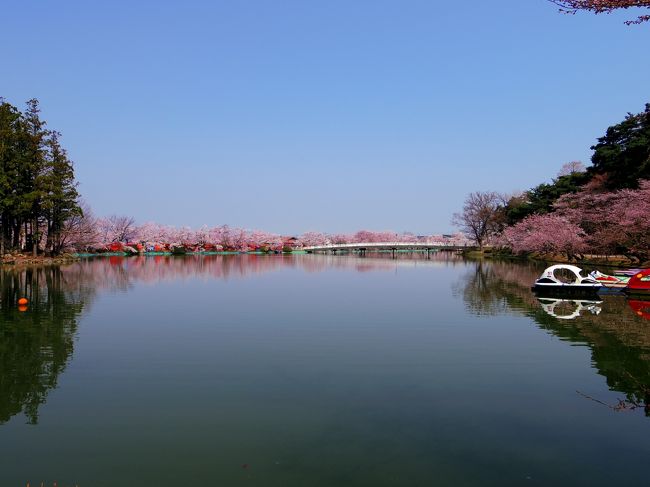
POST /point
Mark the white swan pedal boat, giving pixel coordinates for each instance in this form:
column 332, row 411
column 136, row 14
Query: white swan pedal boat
column 566, row 280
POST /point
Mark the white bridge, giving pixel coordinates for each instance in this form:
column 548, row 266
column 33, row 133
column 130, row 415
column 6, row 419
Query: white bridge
column 363, row 247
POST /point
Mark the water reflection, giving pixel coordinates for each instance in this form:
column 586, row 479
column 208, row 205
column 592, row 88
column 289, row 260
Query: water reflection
column 494, row 288
column 641, row 308
column 36, row 343
column 614, row 328
column 120, row 273
column 569, row 309
column 315, row 370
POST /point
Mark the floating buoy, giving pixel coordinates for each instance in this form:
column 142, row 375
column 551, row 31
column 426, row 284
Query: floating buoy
column 23, row 302
column 22, row 308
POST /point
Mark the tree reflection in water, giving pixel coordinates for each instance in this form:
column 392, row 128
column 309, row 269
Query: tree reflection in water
column 36, row 345
column 616, row 330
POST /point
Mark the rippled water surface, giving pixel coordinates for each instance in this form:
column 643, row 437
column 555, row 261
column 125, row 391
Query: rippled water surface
column 313, row 370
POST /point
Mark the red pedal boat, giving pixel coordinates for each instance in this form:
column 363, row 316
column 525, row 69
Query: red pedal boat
column 639, row 283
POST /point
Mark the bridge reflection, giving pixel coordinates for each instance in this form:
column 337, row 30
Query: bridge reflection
column 36, row 346
column 393, row 247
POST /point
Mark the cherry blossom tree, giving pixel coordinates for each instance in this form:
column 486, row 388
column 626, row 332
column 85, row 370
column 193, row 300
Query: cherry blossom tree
column 340, row 238
column 604, row 222
column 604, row 6
column 264, row 241
column 152, row 233
column 633, row 212
column 309, row 239
column 368, row 236
column 116, row 229
column 79, row 231
column 201, row 236
column 613, row 222
column 122, row 230
column 546, row 233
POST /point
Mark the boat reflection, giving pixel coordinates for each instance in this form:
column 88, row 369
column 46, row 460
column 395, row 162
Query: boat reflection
column 558, row 307
column 37, row 345
column 640, row 307
column 615, row 329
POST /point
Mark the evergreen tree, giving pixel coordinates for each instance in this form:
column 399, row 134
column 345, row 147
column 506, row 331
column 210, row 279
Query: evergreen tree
column 37, row 188
column 9, row 129
column 60, row 199
column 623, row 153
column 541, row 198
column 33, row 137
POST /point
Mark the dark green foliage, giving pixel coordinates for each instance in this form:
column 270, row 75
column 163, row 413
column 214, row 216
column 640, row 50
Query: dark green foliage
column 621, row 157
column 60, row 197
column 37, row 187
column 623, row 154
column 178, row 250
column 35, row 347
column 540, row 199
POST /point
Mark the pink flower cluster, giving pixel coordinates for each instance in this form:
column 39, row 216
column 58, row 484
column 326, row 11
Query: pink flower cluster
column 603, row 222
column 115, row 232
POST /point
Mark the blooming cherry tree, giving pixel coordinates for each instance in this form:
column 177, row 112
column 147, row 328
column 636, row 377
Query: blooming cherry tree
column 614, row 222
column 604, row 6
column 547, row 233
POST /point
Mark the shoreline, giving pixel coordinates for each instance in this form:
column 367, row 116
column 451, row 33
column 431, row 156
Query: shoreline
column 23, row 259
column 589, row 260
column 13, row 260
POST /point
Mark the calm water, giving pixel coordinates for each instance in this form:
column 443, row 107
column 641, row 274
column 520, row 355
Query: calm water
column 315, row 371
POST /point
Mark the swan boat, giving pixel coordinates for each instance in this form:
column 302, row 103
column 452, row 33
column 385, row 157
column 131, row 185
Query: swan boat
column 564, row 279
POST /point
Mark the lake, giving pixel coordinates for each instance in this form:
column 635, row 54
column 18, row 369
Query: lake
column 316, row 370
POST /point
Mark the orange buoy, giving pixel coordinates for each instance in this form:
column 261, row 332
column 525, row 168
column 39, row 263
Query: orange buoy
column 22, row 308
column 23, row 302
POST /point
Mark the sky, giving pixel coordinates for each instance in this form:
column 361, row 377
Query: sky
column 305, row 115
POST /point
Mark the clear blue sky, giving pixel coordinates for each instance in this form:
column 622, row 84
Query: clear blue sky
column 337, row 115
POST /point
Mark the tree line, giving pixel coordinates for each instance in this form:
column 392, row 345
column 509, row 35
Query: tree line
column 603, row 208
column 38, row 191
column 41, row 211
column 122, row 234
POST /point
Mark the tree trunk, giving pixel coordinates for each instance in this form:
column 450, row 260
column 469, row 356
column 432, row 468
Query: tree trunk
column 49, row 245
column 34, row 238
column 16, row 240
column 3, row 232
column 479, row 241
